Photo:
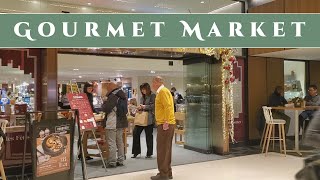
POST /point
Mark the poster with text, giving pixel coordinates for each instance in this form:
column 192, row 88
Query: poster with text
column 53, row 147
column 80, row 101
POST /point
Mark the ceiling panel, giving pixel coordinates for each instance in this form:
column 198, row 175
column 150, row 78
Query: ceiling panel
column 90, row 67
column 295, row 54
column 154, row 6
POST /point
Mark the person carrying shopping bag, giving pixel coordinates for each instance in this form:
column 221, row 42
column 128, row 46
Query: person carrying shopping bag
column 145, row 111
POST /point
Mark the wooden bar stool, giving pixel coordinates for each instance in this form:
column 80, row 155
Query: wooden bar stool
column 180, row 129
column 270, row 129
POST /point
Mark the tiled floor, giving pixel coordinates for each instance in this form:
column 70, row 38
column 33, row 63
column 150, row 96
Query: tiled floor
column 180, row 155
column 273, row 167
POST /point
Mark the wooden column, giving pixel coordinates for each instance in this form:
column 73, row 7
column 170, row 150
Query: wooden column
column 314, row 73
column 49, row 74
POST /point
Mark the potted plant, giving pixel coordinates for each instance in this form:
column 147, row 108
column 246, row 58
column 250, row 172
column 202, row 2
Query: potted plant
column 298, row 102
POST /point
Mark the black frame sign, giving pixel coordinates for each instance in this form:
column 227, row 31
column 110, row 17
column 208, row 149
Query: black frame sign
column 52, row 149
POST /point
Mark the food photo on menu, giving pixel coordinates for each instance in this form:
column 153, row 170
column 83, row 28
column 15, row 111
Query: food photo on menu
column 53, row 149
column 51, row 145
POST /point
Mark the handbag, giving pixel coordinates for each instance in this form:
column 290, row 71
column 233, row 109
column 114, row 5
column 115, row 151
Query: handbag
column 141, row 119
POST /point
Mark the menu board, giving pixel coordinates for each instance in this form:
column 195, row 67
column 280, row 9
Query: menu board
column 80, row 101
column 53, row 147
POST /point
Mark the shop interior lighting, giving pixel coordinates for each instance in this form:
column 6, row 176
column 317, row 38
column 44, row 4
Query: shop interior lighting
column 29, row 1
column 12, row 10
column 152, row 72
column 65, row 6
column 76, row 69
column 225, row 7
column 202, row 2
column 125, row 1
column 163, row 6
column 104, row 11
column 89, row 4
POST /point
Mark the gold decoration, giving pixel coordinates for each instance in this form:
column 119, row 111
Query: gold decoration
column 227, row 59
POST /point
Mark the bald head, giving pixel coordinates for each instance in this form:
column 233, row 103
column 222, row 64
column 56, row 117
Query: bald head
column 111, row 86
column 157, row 82
column 158, row 79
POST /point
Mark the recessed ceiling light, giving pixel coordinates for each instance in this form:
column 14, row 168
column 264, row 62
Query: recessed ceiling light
column 133, row 10
column 89, row 4
column 202, row 2
column 80, row 77
column 100, row 73
column 152, row 72
column 76, row 69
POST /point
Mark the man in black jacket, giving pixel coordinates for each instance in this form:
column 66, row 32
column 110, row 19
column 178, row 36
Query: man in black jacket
column 116, row 110
column 276, row 99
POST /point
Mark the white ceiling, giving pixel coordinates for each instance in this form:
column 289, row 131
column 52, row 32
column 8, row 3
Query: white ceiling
column 295, row 54
column 154, row 6
column 102, row 67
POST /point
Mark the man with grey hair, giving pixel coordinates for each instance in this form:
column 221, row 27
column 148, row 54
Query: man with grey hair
column 116, row 109
column 164, row 113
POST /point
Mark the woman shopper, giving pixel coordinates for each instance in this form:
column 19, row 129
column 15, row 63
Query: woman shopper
column 147, row 102
column 88, row 90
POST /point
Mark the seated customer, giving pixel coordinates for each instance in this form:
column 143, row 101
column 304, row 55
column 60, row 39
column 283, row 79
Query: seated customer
column 311, row 100
column 276, row 99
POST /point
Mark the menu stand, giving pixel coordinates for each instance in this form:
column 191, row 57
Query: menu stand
column 86, row 119
column 52, row 144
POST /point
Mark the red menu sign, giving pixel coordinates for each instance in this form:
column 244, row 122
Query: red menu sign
column 80, row 101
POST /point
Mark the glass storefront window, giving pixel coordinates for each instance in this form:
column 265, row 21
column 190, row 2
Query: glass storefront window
column 198, row 116
column 294, row 79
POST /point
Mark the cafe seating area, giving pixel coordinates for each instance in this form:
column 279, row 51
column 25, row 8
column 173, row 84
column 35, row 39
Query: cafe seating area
column 270, row 130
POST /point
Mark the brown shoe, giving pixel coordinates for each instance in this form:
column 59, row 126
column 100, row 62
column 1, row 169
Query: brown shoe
column 170, row 176
column 158, row 177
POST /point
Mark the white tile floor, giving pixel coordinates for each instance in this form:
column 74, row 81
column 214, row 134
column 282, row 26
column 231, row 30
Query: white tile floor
column 253, row 167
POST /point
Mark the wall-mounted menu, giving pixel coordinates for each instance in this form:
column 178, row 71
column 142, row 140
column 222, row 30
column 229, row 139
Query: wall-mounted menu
column 80, row 101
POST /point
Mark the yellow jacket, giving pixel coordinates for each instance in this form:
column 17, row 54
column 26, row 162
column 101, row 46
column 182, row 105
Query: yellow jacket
column 164, row 107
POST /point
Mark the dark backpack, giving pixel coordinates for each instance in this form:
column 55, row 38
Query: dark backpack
column 122, row 107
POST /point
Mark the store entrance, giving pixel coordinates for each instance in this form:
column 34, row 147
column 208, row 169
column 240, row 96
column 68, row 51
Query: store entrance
column 130, row 73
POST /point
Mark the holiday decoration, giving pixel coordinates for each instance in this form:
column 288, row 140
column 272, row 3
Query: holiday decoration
column 227, row 59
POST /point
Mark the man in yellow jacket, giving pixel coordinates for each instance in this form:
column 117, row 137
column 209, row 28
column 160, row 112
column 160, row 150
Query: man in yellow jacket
column 164, row 113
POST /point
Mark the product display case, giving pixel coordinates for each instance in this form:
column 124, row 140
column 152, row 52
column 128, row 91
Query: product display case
column 293, row 89
column 198, row 133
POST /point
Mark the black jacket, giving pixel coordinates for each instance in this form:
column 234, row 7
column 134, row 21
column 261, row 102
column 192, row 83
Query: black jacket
column 111, row 103
column 277, row 100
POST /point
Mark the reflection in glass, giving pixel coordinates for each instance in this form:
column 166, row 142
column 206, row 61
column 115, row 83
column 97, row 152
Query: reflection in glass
column 198, row 107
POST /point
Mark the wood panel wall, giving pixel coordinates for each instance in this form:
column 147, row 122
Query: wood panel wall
column 49, row 72
column 276, row 6
column 275, row 74
column 302, row 6
column 257, row 91
column 263, row 75
column 314, row 67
